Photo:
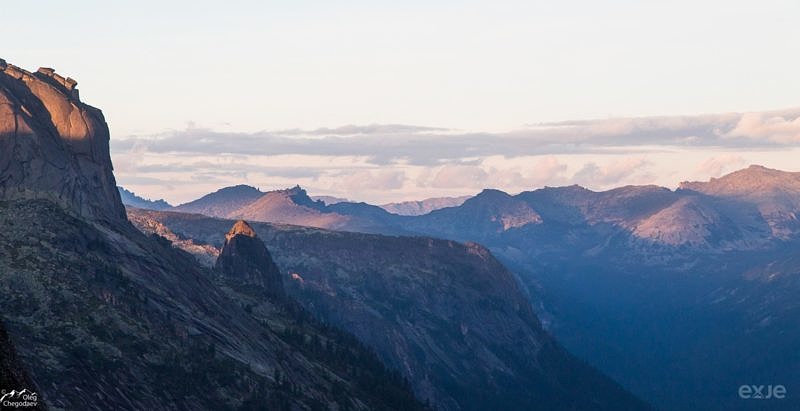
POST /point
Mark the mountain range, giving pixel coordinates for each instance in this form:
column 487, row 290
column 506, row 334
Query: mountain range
column 214, row 204
column 130, row 198
column 102, row 314
column 643, row 282
column 423, row 206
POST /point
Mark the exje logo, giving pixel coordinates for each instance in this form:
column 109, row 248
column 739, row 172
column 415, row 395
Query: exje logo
column 762, row 392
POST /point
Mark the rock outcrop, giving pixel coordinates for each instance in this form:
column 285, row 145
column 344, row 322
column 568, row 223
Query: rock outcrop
column 245, row 258
column 53, row 146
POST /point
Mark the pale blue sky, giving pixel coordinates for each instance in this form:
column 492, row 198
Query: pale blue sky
column 185, row 70
column 254, row 65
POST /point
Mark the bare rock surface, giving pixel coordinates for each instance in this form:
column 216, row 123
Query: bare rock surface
column 53, row 146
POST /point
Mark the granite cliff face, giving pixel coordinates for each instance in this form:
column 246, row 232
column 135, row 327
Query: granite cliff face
column 53, row 146
column 245, row 258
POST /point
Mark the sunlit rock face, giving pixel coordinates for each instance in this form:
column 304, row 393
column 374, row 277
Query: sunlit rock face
column 775, row 194
column 53, row 146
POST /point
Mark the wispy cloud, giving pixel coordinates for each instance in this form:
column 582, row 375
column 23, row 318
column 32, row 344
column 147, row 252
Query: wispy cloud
column 387, row 144
column 395, row 162
column 718, row 165
column 630, row 170
column 779, row 128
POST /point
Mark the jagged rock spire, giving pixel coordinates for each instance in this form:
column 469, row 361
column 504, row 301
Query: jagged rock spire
column 245, row 259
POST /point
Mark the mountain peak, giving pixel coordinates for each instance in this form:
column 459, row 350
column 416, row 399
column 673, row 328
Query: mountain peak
column 755, row 180
column 299, row 196
column 221, row 202
column 241, row 228
column 491, row 193
column 296, row 190
column 245, row 258
column 238, row 189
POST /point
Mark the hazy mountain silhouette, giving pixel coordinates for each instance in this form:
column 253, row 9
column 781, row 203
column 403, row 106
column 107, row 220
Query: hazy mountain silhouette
column 130, row 198
column 612, row 272
column 422, row 206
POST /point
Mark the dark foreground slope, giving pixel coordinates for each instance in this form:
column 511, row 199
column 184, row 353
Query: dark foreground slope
column 446, row 315
column 108, row 318
column 105, row 317
column 14, row 377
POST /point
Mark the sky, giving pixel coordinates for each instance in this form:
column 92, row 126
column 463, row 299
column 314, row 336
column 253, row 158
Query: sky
column 387, row 100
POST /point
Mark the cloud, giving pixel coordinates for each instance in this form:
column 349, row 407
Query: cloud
column 459, row 176
column 371, row 129
column 548, row 170
column 391, row 162
column 781, row 129
column 496, row 172
column 625, row 171
column 419, row 145
column 716, row 166
column 371, row 180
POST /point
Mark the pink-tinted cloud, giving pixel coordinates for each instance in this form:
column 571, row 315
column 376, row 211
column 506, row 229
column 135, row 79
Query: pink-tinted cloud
column 777, row 128
column 459, row 176
column 371, row 180
column 625, row 171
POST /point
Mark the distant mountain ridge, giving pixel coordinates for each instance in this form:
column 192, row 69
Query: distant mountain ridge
column 775, row 194
column 289, row 206
column 222, row 201
column 698, row 214
column 130, row 198
column 411, row 208
column 612, row 271
column 330, row 200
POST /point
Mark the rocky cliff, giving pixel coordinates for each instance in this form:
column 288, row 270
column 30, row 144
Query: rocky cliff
column 245, row 258
column 105, row 317
column 53, row 146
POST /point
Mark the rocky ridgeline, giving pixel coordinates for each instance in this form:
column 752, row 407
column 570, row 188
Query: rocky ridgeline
column 53, row 146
